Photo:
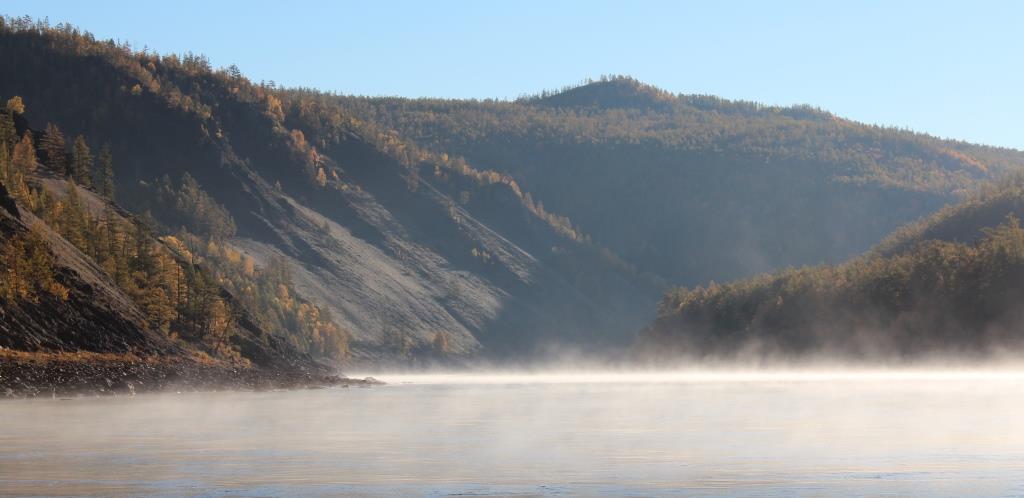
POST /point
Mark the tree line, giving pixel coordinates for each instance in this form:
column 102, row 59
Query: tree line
column 19, row 156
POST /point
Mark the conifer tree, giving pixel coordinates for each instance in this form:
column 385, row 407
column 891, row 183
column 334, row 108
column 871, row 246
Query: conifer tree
column 22, row 162
column 158, row 307
column 8, row 133
column 54, row 150
column 105, row 173
column 5, row 165
column 141, row 237
column 23, row 158
column 81, row 162
column 73, row 221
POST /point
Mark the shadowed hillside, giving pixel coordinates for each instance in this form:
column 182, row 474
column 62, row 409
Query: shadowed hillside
column 951, row 284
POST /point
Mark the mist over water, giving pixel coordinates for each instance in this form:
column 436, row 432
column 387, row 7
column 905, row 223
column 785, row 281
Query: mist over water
column 688, row 432
column 691, row 376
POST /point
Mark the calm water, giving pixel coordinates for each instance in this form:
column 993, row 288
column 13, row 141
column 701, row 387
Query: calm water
column 637, row 435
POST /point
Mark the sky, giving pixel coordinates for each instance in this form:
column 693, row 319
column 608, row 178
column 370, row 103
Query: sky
column 951, row 69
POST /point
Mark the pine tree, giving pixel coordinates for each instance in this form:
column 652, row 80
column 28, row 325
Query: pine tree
column 158, row 307
column 23, row 159
column 8, row 133
column 73, row 221
column 234, row 73
column 141, row 236
column 23, row 162
column 105, row 173
column 81, row 162
column 12, row 279
column 54, row 150
column 5, row 165
column 219, row 321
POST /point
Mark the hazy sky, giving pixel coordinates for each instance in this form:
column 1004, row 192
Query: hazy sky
column 951, row 69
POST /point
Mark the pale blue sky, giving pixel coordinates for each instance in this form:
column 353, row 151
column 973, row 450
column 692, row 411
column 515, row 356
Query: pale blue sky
column 950, row 69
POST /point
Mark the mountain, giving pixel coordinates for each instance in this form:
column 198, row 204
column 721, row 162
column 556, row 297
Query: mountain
column 362, row 229
column 413, row 257
column 949, row 285
column 692, row 188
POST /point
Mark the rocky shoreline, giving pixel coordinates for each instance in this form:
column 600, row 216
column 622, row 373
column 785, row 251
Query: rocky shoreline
column 69, row 375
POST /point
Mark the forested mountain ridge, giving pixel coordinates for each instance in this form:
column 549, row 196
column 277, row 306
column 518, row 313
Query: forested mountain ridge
column 691, row 188
column 412, row 255
column 949, row 285
column 431, row 230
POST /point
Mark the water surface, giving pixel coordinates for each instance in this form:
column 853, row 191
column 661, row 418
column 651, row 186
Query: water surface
column 613, row 434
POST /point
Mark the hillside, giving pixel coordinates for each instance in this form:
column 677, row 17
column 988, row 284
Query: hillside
column 413, row 258
column 70, row 326
column 949, row 285
column 690, row 188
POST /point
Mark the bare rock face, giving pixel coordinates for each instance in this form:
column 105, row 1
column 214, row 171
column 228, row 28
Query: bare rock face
column 394, row 265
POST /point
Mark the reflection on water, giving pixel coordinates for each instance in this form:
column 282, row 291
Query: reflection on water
column 916, row 433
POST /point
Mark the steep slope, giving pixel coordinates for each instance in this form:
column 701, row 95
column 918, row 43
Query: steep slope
column 94, row 316
column 414, row 262
column 66, row 327
column 951, row 285
column 694, row 188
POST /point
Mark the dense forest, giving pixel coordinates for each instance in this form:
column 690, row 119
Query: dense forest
column 950, row 284
column 690, row 188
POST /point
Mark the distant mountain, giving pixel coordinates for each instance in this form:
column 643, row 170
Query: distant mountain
column 692, row 188
column 949, row 285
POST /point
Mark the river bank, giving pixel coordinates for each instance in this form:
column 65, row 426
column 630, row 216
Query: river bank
column 91, row 374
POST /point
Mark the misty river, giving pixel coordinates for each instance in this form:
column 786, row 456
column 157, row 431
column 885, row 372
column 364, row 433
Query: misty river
column 612, row 434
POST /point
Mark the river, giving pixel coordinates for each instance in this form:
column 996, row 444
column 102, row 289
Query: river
column 919, row 433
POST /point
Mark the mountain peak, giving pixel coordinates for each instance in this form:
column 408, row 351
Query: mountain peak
column 608, row 93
